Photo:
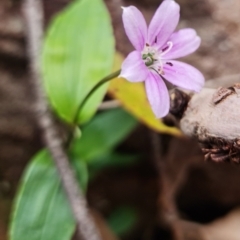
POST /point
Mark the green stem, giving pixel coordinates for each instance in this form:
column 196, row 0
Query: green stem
column 99, row 84
column 80, row 107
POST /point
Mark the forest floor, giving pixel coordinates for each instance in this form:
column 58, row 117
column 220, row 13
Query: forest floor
column 202, row 197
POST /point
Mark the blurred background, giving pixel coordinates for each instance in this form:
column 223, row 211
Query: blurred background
column 163, row 189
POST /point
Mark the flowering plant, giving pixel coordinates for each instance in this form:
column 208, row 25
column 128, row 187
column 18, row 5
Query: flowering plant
column 156, row 47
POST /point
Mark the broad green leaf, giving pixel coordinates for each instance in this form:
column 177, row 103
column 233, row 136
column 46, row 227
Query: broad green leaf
column 112, row 159
column 78, row 52
column 133, row 98
column 102, row 133
column 122, row 220
column 41, row 210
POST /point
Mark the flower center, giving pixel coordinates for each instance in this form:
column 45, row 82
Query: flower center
column 152, row 57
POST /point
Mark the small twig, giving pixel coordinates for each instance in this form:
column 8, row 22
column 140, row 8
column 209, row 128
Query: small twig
column 34, row 22
column 109, row 105
column 167, row 212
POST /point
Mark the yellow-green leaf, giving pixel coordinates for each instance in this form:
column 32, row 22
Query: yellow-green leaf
column 133, row 98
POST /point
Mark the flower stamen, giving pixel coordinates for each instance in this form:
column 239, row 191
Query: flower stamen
column 152, row 57
column 169, row 63
column 167, row 48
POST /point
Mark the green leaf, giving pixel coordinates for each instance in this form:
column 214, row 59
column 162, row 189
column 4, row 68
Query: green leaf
column 41, row 210
column 78, row 52
column 103, row 133
column 111, row 160
column 122, row 220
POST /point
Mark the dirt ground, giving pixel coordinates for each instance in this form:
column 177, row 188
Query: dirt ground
column 176, row 193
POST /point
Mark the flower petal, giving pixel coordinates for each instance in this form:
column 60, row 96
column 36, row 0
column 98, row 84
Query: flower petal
column 135, row 27
column 133, row 68
column 184, row 41
column 163, row 23
column 183, row 75
column 157, row 94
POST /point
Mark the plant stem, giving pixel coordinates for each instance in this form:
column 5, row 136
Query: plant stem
column 81, row 105
column 86, row 229
column 99, row 84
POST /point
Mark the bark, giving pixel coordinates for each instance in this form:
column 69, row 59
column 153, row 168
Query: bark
column 211, row 116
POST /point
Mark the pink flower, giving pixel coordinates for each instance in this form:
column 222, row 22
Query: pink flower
column 156, row 46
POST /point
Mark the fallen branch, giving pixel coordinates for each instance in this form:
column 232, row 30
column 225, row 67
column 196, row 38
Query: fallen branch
column 212, row 116
column 34, row 23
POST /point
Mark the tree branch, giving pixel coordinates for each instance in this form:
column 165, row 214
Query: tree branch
column 212, row 116
column 34, row 22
